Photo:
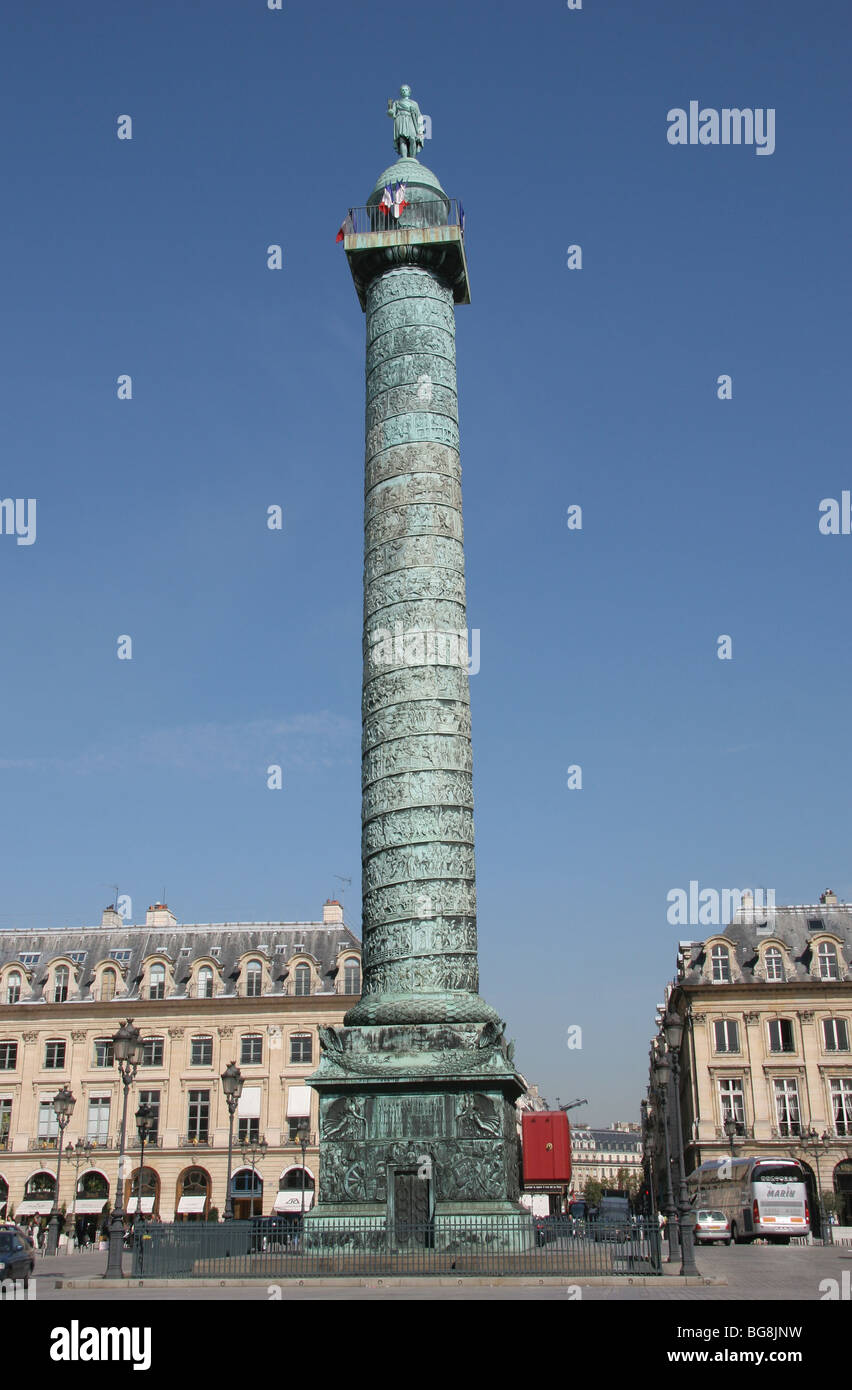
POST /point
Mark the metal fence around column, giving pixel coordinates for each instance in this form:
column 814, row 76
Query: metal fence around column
column 481, row 1246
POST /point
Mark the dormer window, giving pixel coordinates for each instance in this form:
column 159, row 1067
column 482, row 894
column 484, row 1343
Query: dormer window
column 774, row 962
column 351, row 977
column 827, row 961
column 109, row 981
column 254, row 979
column 14, row 984
column 205, row 982
column 720, row 961
column 60, row 984
column 302, row 979
column 157, row 982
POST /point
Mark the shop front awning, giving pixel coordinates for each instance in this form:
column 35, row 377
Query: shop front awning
column 147, row 1205
column 34, row 1207
column 190, row 1204
column 292, row 1201
column 90, row 1206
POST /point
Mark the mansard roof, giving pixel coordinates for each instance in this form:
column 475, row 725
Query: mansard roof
column 227, row 943
column 795, row 929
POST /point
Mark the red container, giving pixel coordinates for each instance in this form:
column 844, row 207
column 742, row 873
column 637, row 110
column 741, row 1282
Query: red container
column 546, row 1139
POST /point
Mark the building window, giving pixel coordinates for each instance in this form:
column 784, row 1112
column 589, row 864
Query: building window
column 8, row 1056
column 827, row 961
column 251, row 1050
column 198, row 1116
column 5, row 1128
column 201, row 1052
column 296, row 1128
column 787, row 1106
column 205, row 982
column 731, row 1103
column 774, row 965
column 108, row 986
column 301, row 1047
column 841, row 1105
column 254, row 979
column 103, row 1053
column 352, row 977
column 60, row 984
column 152, row 1052
column 720, row 958
column 48, row 1125
column 157, row 982
column 54, row 1055
column 727, row 1035
column 835, row 1034
column 98, row 1127
column 152, row 1100
column 781, row 1038
column 13, row 987
column 302, row 979
column 247, row 1130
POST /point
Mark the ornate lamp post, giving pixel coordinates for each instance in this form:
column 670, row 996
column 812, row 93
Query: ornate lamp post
column 252, row 1150
column 303, row 1144
column 673, row 1029
column 144, row 1125
column 79, row 1154
column 662, row 1072
column 232, row 1085
column 63, row 1106
column 127, row 1054
column 817, row 1144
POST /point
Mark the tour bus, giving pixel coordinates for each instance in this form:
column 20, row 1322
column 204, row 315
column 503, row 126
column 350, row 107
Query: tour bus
column 761, row 1197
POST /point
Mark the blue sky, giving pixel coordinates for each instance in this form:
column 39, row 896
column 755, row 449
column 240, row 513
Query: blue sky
column 595, row 387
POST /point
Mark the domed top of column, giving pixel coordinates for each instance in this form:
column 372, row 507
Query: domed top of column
column 417, row 179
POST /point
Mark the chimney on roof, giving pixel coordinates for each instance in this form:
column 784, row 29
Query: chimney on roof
column 332, row 912
column 111, row 917
column 158, row 915
column 828, row 898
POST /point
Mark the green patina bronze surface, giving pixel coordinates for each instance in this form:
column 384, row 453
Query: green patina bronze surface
column 420, row 1078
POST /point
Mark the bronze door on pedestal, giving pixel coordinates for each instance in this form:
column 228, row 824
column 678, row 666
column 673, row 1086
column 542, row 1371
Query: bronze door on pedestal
column 411, row 1209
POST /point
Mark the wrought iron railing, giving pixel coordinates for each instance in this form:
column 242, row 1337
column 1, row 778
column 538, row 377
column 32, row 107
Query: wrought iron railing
column 376, row 218
column 287, row 1247
column 196, row 1141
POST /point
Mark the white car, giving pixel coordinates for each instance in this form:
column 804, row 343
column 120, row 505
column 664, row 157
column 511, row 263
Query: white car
column 711, row 1225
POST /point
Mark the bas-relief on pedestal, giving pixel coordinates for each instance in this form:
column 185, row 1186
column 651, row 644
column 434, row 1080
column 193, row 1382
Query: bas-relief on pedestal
column 417, row 1088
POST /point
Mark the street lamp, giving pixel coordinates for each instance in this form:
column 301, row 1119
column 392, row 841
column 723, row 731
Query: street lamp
column 662, row 1073
column 673, row 1029
column 79, row 1154
column 303, row 1144
column 127, row 1054
column 816, row 1144
column 232, row 1085
column 252, row 1150
column 730, row 1128
column 63, row 1107
column 144, row 1124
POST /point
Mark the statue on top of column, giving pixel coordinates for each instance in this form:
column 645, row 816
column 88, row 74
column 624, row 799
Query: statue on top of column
column 407, row 124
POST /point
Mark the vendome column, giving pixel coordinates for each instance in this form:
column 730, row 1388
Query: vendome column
column 417, row 1088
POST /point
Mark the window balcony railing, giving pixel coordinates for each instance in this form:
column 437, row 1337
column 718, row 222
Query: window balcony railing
column 295, row 1141
column 42, row 1143
column 4, row 1141
column 196, row 1141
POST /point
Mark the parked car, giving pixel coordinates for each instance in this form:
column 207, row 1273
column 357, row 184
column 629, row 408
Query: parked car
column 17, row 1256
column 610, row 1220
column 710, row 1225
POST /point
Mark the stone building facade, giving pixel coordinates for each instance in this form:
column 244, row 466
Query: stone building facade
column 604, row 1153
column 767, row 1003
column 202, row 996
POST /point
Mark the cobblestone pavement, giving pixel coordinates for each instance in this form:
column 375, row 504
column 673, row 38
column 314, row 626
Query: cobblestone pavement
column 755, row 1273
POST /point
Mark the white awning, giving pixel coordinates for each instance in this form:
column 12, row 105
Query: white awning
column 249, row 1103
column 147, row 1205
column 191, row 1204
column 32, row 1208
column 299, row 1103
column 292, row 1201
column 90, row 1206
